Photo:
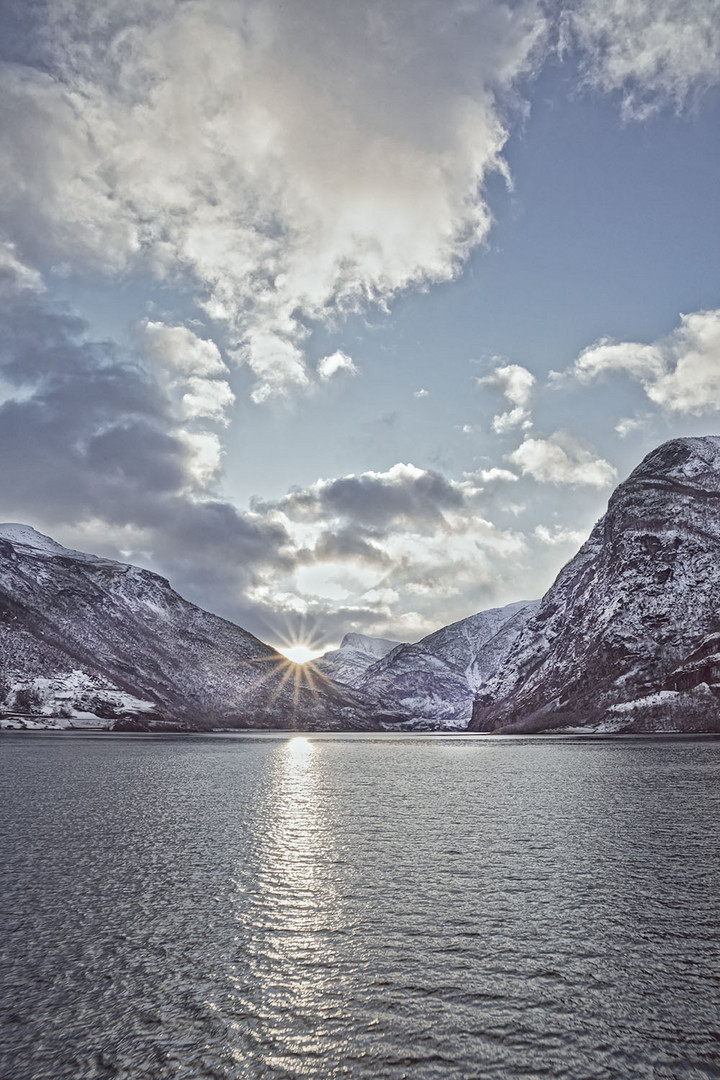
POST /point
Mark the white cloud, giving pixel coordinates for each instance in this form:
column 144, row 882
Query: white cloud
column 190, row 365
column 15, row 276
column 562, row 459
column 559, row 535
column 207, row 399
column 626, row 425
column 180, row 350
column 494, row 475
column 294, row 162
column 679, row 373
column 654, row 52
column 516, row 384
column 335, row 363
column 205, row 457
column 421, row 393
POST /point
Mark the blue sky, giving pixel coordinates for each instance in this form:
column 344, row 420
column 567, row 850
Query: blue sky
column 350, row 317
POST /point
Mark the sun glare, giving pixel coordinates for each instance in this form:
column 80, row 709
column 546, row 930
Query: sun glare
column 300, row 654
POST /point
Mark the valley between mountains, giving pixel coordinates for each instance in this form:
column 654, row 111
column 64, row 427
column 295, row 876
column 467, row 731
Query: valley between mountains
column 627, row 639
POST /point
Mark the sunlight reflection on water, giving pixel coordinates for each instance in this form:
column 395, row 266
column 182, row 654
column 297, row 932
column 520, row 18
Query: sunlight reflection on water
column 293, row 908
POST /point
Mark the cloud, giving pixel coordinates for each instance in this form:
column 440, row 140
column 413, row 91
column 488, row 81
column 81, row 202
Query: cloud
column 421, row 393
column 516, row 383
column 290, row 164
column 493, row 475
column 628, row 424
column 332, row 365
column 405, row 546
column 96, row 452
column 178, row 349
column 559, row 535
column 207, row 399
column 679, row 373
column 349, row 543
column 562, row 459
column 380, row 500
column 190, row 365
column 15, row 277
column 653, row 52
column 99, row 451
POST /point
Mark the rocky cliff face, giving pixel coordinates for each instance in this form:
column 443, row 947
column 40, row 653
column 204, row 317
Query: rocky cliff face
column 435, row 679
column 628, row 637
column 356, row 654
column 88, row 640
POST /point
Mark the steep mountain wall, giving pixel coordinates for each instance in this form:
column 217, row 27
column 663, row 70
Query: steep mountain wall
column 435, row 678
column 628, row 636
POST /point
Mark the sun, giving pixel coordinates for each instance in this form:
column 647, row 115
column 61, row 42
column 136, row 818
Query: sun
column 299, row 654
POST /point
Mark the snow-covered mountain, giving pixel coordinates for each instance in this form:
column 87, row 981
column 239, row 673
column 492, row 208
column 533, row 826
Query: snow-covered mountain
column 628, row 637
column 90, row 641
column 435, row 679
column 350, row 661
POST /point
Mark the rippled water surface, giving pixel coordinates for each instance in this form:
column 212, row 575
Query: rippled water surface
column 358, row 906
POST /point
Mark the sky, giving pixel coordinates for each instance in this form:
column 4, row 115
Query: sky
column 350, row 316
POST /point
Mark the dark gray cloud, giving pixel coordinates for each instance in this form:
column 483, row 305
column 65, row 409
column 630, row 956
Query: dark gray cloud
column 350, row 544
column 380, row 501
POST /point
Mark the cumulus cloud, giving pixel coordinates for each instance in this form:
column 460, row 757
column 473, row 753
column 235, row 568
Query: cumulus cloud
column 332, row 365
column 292, row 163
column 516, row 384
column 180, row 350
column 653, row 52
column 207, row 399
column 562, row 459
column 191, row 365
column 679, row 373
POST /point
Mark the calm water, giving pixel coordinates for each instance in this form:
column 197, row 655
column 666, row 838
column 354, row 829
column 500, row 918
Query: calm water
column 360, row 906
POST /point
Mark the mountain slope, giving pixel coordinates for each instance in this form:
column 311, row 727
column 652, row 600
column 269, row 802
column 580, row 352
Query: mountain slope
column 435, row 678
column 82, row 636
column 350, row 661
column 628, row 637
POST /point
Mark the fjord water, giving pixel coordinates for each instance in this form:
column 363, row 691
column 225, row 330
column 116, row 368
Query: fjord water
column 359, row 906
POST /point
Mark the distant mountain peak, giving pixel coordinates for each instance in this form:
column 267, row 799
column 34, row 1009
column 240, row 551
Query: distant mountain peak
column 373, row 646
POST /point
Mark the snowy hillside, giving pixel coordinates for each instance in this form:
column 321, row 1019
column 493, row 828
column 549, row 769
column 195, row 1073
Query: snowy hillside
column 628, row 637
column 87, row 640
column 435, row 679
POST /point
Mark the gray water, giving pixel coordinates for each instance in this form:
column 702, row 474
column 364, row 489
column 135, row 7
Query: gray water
column 358, row 906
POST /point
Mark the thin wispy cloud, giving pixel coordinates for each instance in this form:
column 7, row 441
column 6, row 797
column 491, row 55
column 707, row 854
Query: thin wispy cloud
column 653, row 53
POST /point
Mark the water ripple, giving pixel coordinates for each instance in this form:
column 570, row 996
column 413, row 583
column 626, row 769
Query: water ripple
column 369, row 907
